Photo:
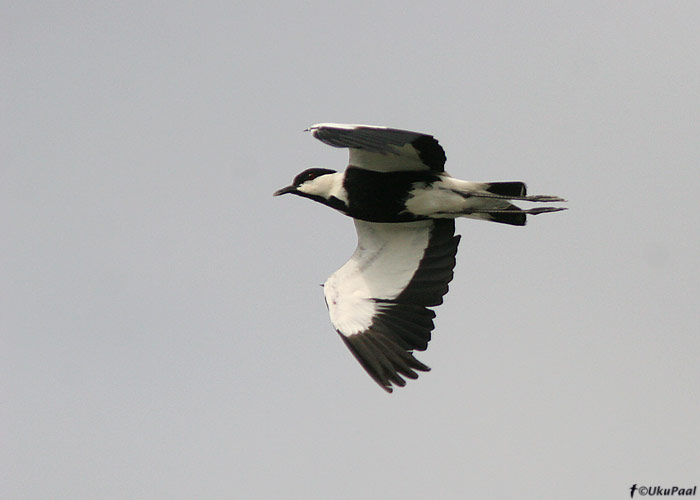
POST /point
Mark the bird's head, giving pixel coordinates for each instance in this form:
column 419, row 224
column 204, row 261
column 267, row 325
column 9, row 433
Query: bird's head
column 312, row 183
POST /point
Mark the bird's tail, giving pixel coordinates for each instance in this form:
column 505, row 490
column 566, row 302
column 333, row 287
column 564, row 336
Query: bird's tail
column 510, row 214
column 515, row 190
column 492, row 202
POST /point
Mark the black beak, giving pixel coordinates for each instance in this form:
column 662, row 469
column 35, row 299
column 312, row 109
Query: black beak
column 284, row 190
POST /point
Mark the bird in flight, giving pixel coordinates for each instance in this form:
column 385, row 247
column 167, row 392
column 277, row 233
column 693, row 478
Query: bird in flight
column 404, row 205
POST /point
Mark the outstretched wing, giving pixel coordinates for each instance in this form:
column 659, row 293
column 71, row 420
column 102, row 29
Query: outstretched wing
column 379, row 300
column 383, row 149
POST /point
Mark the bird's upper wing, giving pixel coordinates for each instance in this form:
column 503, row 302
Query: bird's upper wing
column 378, row 301
column 383, row 149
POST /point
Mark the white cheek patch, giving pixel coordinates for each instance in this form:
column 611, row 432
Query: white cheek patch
column 326, row 186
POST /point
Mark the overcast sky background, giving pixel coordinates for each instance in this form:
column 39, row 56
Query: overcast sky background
column 164, row 335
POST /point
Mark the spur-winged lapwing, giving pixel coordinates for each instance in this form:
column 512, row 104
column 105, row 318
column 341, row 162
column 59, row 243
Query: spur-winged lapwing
column 404, row 204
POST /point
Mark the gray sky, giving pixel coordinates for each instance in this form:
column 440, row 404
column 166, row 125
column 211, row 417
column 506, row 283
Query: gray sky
column 163, row 332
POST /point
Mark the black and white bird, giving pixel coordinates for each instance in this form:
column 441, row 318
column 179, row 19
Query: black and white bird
column 404, row 204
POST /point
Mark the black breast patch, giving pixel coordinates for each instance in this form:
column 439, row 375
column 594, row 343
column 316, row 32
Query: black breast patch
column 381, row 196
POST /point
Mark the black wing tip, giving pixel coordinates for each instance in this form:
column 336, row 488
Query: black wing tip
column 383, row 360
column 430, row 152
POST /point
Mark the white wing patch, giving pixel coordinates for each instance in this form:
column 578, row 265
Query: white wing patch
column 386, row 258
column 395, row 158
